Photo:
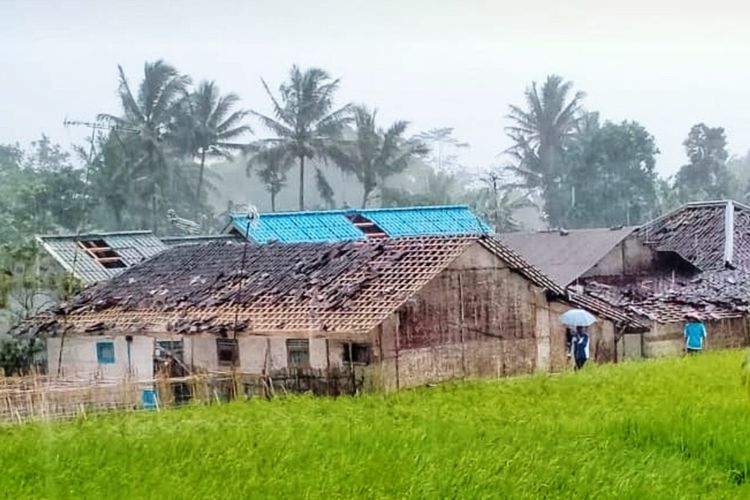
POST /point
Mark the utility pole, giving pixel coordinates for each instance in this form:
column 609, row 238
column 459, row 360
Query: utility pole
column 67, row 284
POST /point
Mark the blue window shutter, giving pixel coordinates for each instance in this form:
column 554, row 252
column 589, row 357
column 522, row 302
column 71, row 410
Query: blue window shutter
column 105, row 353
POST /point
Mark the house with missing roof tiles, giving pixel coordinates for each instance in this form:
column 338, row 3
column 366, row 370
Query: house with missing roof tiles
column 692, row 261
column 95, row 257
column 404, row 311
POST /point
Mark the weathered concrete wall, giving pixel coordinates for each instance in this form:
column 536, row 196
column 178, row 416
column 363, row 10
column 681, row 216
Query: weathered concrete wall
column 477, row 318
column 79, row 357
column 630, row 347
column 629, row 257
column 667, row 339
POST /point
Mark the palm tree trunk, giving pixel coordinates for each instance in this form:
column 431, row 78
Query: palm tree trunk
column 365, row 196
column 273, row 201
column 200, row 175
column 302, row 182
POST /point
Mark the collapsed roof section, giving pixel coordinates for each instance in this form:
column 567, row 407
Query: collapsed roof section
column 360, row 224
column 94, row 257
column 710, row 295
column 346, row 287
column 711, row 235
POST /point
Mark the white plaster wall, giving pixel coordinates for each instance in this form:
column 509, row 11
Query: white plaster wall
column 79, row 357
column 336, row 353
column 543, row 345
column 318, row 358
column 252, row 353
column 200, row 352
column 278, row 353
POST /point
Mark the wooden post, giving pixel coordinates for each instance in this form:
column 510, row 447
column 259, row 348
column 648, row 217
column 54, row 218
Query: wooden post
column 398, row 353
column 461, row 324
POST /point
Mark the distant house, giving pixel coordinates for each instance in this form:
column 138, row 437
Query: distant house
column 360, row 224
column 412, row 310
column 95, row 257
column 692, row 261
column 570, row 255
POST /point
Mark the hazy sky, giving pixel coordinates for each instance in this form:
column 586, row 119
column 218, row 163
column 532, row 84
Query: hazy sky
column 666, row 64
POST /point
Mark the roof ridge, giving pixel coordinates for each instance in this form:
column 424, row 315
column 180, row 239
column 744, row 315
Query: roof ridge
column 96, row 233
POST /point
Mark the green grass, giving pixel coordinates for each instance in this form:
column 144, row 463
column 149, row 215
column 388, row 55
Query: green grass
column 677, row 428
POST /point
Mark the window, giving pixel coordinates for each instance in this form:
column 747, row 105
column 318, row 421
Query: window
column 172, row 348
column 105, row 353
column 357, row 354
column 298, row 353
column 102, row 253
column 227, row 351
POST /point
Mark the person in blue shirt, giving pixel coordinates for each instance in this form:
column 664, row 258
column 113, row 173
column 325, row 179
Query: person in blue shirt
column 580, row 347
column 695, row 335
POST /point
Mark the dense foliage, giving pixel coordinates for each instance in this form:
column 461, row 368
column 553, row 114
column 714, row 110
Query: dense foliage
column 672, row 428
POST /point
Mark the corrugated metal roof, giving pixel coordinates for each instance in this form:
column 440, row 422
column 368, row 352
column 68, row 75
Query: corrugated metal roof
column 133, row 247
column 337, row 225
column 565, row 256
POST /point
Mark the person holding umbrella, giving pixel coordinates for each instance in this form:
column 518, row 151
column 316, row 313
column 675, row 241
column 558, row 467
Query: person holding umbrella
column 579, row 319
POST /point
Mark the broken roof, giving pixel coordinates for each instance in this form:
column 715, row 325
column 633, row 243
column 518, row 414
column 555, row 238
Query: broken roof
column 709, row 235
column 358, row 224
column 336, row 287
column 94, row 257
column 710, row 295
column 565, row 255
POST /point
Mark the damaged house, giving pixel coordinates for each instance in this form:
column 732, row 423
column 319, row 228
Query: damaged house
column 407, row 311
column 692, row 261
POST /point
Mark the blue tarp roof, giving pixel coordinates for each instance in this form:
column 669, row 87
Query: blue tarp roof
column 336, row 225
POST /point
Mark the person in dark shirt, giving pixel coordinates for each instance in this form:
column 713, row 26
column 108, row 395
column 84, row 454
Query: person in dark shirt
column 580, row 347
column 568, row 342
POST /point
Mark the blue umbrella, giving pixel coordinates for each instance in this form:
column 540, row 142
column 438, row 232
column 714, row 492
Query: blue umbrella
column 577, row 317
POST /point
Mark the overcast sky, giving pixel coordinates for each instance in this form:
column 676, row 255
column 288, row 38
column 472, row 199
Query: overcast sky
column 666, row 64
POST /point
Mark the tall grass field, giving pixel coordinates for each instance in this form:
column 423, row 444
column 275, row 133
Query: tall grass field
column 676, row 428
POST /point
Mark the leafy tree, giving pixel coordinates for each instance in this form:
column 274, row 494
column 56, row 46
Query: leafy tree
column 443, row 147
column 611, row 174
column 305, row 122
column 151, row 114
column 739, row 168
column 40, row 190
column 439, row 188
column 208, row 126
column 19, row 356
column 706, row 176
column 376, row 154
column 498, row 201
column 272, row 165
column 540, row 132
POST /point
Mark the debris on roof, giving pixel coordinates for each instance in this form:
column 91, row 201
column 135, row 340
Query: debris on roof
column 712, row 294
column 711, row 235
column 346, row 286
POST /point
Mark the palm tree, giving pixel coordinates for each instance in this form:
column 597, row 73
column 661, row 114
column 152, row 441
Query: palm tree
column 305, row 123
column 272, row 165
column 540, row 133
column 375, row 154
column 210, row 127
column 498, row 201
column 152, row 115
